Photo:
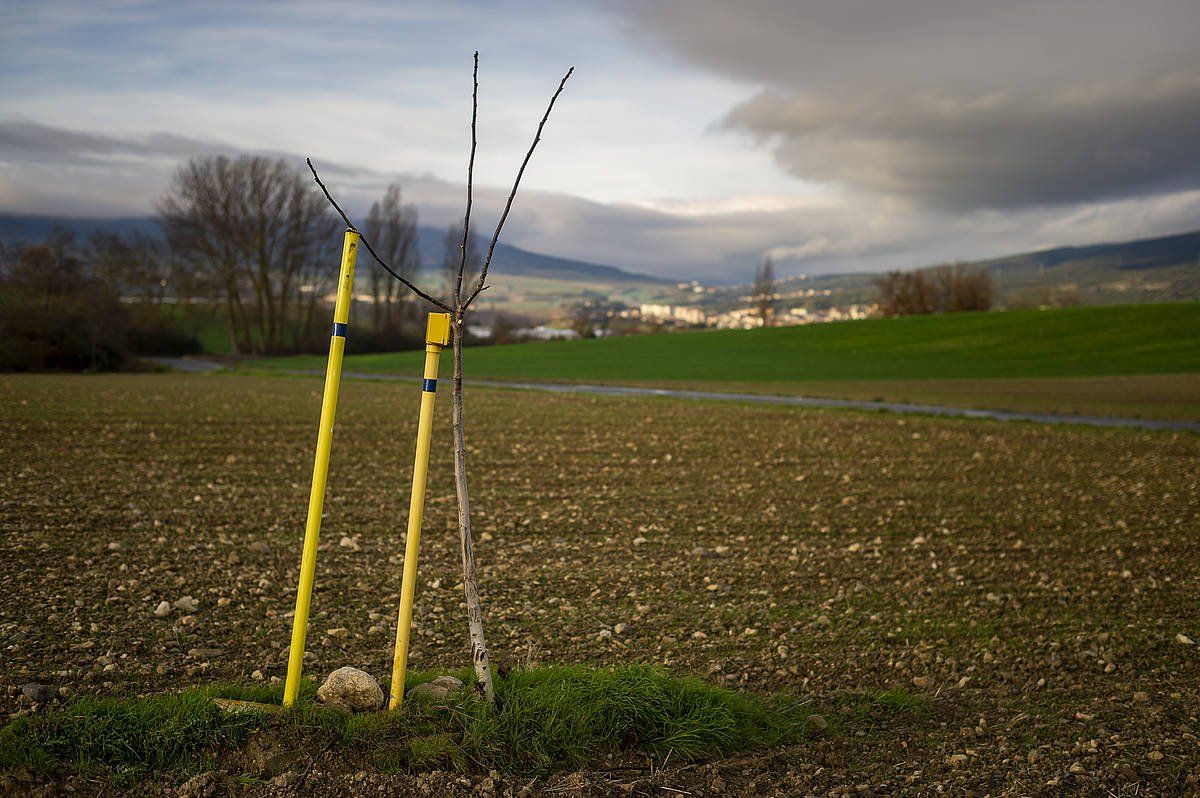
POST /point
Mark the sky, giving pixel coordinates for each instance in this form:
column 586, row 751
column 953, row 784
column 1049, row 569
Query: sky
column 694, row 138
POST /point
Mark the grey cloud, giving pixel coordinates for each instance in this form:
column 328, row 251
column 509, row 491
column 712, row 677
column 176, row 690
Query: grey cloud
column 958, row 106
column 50, row 170
column 54, row 171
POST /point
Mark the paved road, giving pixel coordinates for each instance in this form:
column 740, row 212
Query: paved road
column 812, row 401
column 192, row 365
column 188, row 364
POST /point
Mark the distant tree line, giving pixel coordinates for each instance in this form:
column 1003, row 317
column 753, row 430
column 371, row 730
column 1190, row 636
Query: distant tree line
column 245, row 240
column 939, row 289
column 71, row 306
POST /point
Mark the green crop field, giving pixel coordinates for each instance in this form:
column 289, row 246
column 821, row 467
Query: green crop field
column 1128, row 339
column 1063, row 359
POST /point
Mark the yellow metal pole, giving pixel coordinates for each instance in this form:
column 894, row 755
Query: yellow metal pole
column 316, row 496
column 437, row 335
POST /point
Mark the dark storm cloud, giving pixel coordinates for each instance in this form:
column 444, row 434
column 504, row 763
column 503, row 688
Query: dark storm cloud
column 954, row 105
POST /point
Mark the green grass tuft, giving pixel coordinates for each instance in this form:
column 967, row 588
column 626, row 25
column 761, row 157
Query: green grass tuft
column 546, row 719
column 148, row 734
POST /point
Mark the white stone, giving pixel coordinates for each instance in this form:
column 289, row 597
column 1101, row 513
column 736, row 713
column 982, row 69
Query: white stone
column 351, row 688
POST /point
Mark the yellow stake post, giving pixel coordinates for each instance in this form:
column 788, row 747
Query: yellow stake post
column 316, row 497
column 437, row 335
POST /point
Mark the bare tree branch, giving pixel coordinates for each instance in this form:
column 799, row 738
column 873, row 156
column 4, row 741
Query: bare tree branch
column 487, row 261
column 433, row 301
column 462, row 263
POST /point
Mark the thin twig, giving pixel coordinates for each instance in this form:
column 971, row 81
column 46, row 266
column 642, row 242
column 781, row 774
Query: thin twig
column 479, row 286
column 462, row 263
column 367, row 244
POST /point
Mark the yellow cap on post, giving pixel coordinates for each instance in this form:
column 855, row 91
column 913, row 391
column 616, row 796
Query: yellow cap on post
column 438, row 330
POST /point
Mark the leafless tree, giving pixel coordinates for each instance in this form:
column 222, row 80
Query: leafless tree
column 457, row 305
column 962, row 287
column 133, row 265
column 260, row 237
column 764, row 292
column 945, row 289
column 392, row 225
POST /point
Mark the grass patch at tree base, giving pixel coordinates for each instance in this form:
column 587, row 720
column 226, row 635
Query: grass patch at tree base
column 545, row 719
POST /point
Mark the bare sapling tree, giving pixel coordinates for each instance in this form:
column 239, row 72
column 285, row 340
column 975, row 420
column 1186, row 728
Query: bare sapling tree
column 457, row 304
column 452, row 256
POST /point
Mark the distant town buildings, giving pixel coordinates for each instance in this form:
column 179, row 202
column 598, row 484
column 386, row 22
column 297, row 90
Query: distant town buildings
column 542, row 333
column 682, row 314
column 747, row 318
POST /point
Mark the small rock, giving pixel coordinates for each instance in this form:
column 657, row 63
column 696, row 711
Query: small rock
column 1141, row 697
column 621, row 628
column 527, row 548
column 260, row 547
column 349, row 543
column 114, row 546
column 38, row 693
column 163, row 609
column 604, row 634
column 257, row 676
column 338, row 631
column 204, row 785
column 1183, row 639
column 818, row 721
column 639, row 541
column 699, row 635
column 439, row 688
column 354, row 689
column 1155, row 756
column 924, row 682
column 958, row 760
column 205, row 653
column 187, row 604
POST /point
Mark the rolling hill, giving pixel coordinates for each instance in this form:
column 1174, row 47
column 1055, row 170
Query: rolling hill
column 1163, row 269
column 1060, row 342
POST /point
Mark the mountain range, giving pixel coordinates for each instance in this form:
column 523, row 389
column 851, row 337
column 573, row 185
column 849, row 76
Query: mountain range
column 22, row 229
column 1165, row 268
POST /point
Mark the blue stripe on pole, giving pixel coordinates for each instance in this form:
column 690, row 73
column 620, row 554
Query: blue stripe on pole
column 429, row 385
column 339, row 329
